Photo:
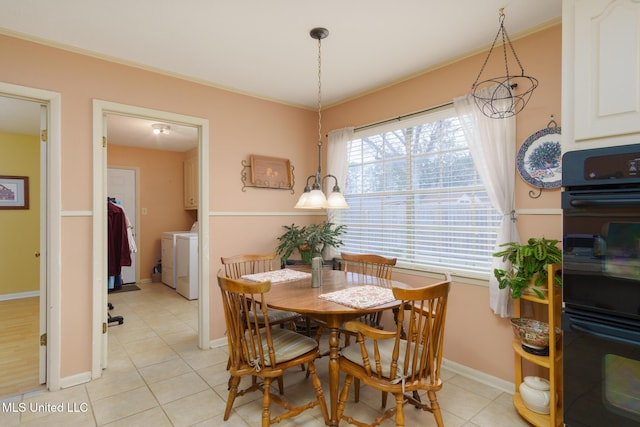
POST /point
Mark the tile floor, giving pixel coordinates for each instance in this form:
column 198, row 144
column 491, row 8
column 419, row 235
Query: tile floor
column 158, row 377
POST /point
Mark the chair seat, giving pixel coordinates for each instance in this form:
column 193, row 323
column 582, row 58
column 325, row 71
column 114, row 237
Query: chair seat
column 354, row 354
column 275, row 316
column 287, row 344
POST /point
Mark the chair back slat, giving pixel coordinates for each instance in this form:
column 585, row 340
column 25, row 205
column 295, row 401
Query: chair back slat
column 247, row 337
column 425, row 314
column 240, row 265
column 369, row 264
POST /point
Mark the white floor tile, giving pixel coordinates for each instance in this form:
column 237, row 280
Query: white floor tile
column 158, row 376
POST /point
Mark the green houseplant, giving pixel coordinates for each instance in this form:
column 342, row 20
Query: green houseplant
column 528, row 265
column 309, row 240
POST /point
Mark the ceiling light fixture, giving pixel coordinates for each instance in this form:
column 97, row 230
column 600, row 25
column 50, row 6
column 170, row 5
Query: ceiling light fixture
column 159, row 128
column 495, row 97
column 313, row 197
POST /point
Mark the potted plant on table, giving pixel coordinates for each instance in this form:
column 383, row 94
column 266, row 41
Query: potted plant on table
column 528, row 265
column 310, row 240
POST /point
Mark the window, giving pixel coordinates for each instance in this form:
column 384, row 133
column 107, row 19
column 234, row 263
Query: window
column 414, row 194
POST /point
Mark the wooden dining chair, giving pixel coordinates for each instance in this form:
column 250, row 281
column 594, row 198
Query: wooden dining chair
column 240, row 265
column 260, row 351
column 387, row 362
column 371, row 265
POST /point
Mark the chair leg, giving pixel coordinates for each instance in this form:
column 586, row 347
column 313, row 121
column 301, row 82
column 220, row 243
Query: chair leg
column 384, row 399
column 281, row 384
column 266, row 402
column 399, row 409
column 233, row 390
column 344, row 395
column 435, row 408
column 319, row 393
column 356, row 390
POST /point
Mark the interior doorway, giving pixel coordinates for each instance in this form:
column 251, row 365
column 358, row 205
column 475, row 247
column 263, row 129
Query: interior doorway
column 103, row 112
column 35, row 115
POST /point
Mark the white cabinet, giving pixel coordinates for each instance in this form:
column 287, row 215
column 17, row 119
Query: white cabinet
column 600, row 73
column 191, row 183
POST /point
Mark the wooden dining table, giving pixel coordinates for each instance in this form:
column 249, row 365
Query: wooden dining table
column 298, row 296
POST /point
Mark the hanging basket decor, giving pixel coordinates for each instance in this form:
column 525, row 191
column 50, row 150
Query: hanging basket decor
column 496, row 97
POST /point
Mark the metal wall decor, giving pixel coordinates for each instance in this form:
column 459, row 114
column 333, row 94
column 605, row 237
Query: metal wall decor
column 539, row 159
column 267, row 172
column 496, row 97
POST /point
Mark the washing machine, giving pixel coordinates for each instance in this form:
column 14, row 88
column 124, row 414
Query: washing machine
column 168, row 256
column 187, row 265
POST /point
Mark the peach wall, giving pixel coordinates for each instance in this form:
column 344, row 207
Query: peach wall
column 161, row 189
column 20, row 228
column 249, row 221
column 475, row 336
column 239, row 126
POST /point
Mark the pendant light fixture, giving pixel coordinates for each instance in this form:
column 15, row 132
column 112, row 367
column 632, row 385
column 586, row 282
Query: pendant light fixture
column 313, row 197
column 496, row 96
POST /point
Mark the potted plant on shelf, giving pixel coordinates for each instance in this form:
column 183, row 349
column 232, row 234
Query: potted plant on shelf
column 528, row 266
column 310, row 240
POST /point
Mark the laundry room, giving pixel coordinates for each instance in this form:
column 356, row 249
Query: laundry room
column 152, row 175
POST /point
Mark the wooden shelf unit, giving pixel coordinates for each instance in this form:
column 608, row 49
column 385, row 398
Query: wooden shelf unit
column 552, row 362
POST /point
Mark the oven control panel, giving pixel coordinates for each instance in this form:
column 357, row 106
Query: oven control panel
column 612, row 167
column 602, row 166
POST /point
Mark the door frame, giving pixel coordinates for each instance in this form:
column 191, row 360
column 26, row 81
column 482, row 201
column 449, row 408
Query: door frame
column 100, row 310
column 51, row 249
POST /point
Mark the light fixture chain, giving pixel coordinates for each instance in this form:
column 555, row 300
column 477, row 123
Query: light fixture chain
column 319, row 91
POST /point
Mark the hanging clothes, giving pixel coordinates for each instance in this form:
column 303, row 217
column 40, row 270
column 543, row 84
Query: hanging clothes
column 119, row 251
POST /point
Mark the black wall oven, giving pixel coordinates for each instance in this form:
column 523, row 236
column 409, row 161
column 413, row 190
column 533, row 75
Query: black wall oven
column 601, row 286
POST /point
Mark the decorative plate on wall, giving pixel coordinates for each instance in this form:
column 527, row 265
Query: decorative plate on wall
column 540, row 158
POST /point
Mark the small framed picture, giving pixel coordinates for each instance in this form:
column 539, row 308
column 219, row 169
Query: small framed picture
column 271, row 172
column 14, row 192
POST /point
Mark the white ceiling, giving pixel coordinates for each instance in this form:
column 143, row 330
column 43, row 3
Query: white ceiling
column 263, row 48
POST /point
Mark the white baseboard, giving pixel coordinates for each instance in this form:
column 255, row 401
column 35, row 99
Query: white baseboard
column 219, row 342
column 500, row 384
column 30, row 294
column 73, row 380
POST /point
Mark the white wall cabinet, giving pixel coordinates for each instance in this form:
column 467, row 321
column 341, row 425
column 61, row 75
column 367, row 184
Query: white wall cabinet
column 191, row 183
column 601, row 73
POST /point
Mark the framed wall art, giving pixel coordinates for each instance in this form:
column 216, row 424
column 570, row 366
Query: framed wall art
column 271, row 172
column 14, row 192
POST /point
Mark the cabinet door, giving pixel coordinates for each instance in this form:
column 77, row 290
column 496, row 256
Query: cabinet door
column 606, row 69
column 191, row 183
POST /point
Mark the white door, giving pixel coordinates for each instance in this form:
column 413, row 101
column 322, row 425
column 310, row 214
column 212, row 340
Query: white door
column 42, row 253
column 121, row 184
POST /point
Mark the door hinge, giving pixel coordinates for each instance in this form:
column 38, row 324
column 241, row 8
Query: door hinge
column 104, row 328
column 43, row 339
column 44, row 135
column 104, row 142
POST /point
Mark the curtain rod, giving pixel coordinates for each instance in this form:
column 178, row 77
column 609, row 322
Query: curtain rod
column 404, row 116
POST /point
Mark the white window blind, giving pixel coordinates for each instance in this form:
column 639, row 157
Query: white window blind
column 414, row 194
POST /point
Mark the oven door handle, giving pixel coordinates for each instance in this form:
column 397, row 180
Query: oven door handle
column 585, row 203
column 606, row 332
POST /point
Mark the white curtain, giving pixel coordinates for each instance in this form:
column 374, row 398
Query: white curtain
column 337, row 143
column 493, row 148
